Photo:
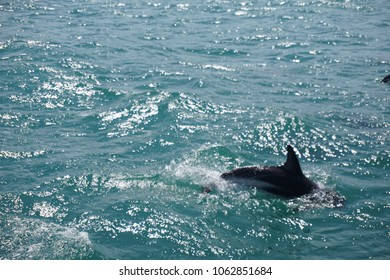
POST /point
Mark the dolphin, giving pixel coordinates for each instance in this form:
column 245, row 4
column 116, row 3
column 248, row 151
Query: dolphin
column 287, row 180
column 386, row 79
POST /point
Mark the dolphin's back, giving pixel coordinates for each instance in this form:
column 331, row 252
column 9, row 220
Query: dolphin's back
column 274, row 180
column 287, row 180
column 386, row 79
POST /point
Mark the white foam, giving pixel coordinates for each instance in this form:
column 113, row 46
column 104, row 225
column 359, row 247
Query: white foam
column 25, row 238
column 320, row 198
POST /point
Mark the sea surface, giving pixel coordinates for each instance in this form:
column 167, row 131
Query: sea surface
column 115, row 114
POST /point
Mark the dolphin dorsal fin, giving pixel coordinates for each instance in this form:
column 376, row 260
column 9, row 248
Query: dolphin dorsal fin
column 292, row 163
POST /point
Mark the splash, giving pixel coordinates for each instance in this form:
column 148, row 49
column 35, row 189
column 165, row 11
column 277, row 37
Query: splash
column 26, row 239
column 319, row 199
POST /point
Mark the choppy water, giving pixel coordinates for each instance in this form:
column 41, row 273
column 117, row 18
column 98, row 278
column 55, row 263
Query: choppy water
column 114, row 114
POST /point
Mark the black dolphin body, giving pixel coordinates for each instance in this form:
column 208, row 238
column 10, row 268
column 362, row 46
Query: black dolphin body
column 286, row 180
column 386, row 79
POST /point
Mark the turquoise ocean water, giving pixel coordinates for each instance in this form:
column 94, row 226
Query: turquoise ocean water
column 114, row 114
